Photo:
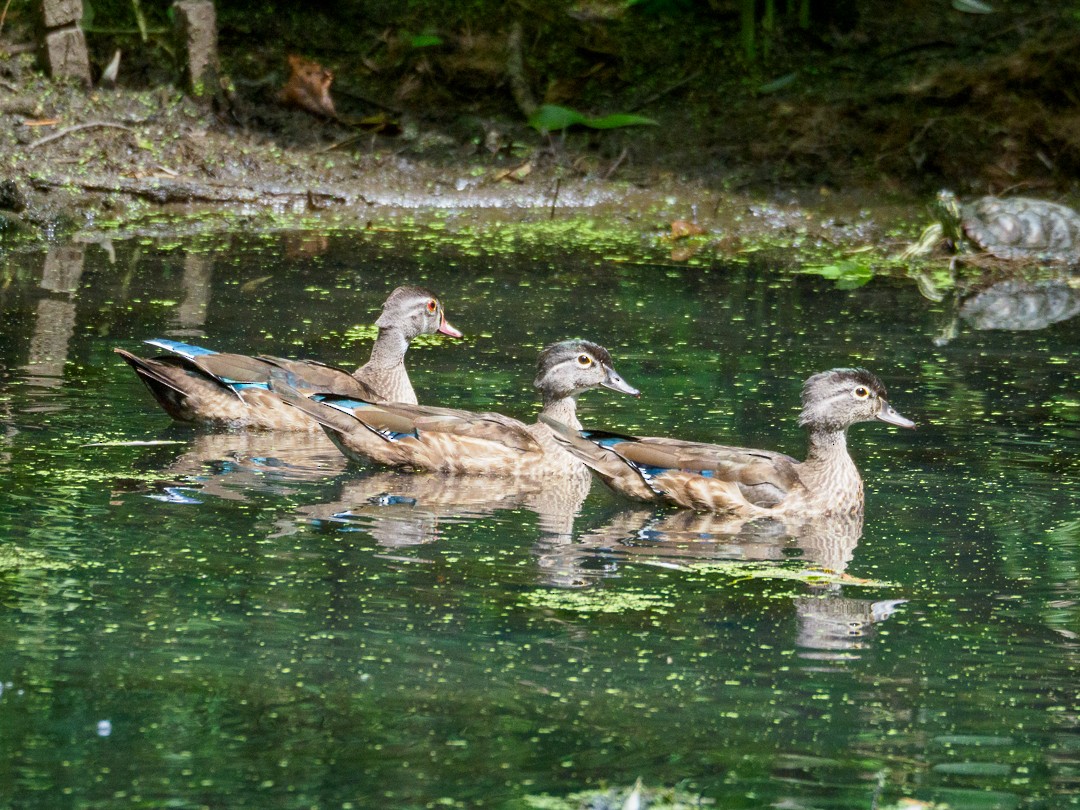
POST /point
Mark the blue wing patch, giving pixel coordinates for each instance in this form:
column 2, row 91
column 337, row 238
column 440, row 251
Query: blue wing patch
column 350, row 406
column 342, row 404
column 183, row 349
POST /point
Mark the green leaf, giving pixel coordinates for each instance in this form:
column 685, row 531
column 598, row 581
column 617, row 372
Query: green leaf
column 616, row 120
column 551, row 117
column 848, row 273
column 425, row 41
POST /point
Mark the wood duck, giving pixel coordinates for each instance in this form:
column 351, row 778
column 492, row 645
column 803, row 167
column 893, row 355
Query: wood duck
column 194, row 384
column 743, row 482
column 451, row 441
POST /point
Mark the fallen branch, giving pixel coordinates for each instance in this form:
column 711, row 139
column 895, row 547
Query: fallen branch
column 77, row 128
column 164, row 191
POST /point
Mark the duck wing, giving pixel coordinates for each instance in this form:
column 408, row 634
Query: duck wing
column 763, row 477
column 711, row 477
column 312, row 377
column 453, row 422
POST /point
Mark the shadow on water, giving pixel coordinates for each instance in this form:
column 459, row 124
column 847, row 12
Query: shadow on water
column 209, row 619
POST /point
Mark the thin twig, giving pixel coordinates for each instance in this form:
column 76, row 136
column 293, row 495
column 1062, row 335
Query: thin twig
column 4, row 15
column 555, row 197
column 338, row 144
column 65, row 132
column 617, row 163
column 671, row 88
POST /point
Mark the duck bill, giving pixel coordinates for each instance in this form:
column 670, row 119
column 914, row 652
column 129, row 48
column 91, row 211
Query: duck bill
column 886, row 413
column 447, row 329
column 617, row 383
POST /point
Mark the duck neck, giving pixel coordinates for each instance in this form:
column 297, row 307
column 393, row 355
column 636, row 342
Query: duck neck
column 562, row 408
column 385, row 372
column 389, row 348
column 829, row 472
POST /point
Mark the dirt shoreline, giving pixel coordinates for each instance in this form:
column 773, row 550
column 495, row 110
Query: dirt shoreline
column 119, row 162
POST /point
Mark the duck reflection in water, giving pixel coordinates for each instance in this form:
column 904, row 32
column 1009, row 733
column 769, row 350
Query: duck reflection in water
column 829, row 624
column 401, row 509
column 235, row 465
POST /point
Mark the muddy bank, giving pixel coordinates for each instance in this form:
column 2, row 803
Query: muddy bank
column 114, row 162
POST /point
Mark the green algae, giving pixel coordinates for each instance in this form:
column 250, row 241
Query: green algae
column 15, row 558
column 598, row 601
column 745, row 571
column 366, row 333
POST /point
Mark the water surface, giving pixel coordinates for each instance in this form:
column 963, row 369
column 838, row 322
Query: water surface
column 223, row 620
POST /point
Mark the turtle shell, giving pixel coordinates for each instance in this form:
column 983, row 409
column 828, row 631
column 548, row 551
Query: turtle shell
column 1022, row 228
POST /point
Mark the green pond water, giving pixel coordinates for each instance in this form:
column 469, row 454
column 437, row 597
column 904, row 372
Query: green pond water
column 245, row 622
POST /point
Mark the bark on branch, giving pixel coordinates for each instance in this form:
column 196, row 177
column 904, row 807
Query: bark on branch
column 164, row 191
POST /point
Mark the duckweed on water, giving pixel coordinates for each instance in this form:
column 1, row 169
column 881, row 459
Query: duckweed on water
column 598, row 601
column 810, row 576
column 16, row 558
column 366, row 333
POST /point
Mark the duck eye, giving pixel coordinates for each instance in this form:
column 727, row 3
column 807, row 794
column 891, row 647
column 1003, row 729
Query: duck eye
column 432, row 306
column 584, row 360
column 862, row 392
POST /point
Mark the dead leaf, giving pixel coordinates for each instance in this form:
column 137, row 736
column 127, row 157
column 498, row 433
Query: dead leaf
column 308, row 87
column 42, row 122
column 681, row 228
column 517, row 174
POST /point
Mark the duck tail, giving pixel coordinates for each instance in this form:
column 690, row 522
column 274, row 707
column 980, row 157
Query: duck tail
column 282, row 383
column 593, row 449
column 164, row 380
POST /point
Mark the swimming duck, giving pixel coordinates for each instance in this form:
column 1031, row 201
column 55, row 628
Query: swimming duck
column 194, row 384
column 447, row 440
column 743, row 482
